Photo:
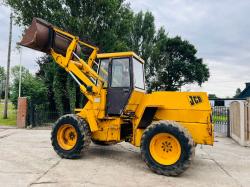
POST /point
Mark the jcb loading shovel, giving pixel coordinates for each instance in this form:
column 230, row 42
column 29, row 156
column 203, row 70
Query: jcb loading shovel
column 165, row 125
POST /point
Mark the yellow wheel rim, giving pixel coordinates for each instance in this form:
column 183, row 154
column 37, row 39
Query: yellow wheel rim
column 66, row 136
column 165, row 149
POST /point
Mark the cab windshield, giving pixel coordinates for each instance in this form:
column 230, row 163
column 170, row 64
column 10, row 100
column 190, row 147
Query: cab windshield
column 120, row 73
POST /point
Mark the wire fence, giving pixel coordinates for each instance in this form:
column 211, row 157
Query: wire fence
column 42, row 117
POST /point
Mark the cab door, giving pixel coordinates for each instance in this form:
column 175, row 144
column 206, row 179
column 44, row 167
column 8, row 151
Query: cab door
column 119, row 85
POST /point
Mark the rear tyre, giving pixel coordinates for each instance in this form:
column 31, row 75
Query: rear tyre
column 70, row 135
column 167, row 148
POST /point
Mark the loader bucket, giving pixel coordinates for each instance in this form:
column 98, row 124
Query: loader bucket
column 37, row 36
column 40, row 36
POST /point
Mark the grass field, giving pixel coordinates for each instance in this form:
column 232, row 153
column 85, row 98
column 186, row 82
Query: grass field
column 221, row 118
column 11, row 121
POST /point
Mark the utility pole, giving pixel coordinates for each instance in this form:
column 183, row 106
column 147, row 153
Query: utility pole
column 5, row 114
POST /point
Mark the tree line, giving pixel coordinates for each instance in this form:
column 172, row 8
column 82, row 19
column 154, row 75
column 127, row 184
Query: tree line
column 170, row 62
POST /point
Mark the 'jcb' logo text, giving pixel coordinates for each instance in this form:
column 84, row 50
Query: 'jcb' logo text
column 195, row 100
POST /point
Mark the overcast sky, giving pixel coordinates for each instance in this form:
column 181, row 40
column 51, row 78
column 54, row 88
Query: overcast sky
column 28, row 56
column 218, row 29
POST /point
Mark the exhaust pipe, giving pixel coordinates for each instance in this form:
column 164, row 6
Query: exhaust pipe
column 41, row 36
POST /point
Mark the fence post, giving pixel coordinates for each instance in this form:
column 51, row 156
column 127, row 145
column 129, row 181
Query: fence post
column 21, row 112
column 228, row 122
column 237, row 121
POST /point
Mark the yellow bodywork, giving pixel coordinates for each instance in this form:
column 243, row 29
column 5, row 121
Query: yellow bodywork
column 119, row 54
column 173, row 106
column 176, row 106
column 190, row 109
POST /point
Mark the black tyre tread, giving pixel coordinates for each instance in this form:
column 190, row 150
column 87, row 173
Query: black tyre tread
column 174, row 170
column 84, row 140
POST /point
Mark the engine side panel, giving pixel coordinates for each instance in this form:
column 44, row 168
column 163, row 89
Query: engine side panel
column 190, row 109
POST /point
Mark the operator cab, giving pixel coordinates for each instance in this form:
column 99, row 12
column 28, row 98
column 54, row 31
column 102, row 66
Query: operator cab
column 123, row 73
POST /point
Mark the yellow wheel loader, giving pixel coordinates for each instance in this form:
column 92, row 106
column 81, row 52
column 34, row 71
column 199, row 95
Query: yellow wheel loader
column 165, row 125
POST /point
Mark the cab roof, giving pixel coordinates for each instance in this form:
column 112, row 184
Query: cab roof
column 120, row 54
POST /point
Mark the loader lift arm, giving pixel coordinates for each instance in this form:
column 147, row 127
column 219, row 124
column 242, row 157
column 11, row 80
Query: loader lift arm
column 80, row 69
column 64, row 48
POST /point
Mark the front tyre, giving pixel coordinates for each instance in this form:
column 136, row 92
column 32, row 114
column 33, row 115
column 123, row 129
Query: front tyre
column 70, row 135
column 167, row 148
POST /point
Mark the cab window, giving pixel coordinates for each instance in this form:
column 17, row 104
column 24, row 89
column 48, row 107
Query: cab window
column 138, row 74
column 120, row 73
column 103, row 70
